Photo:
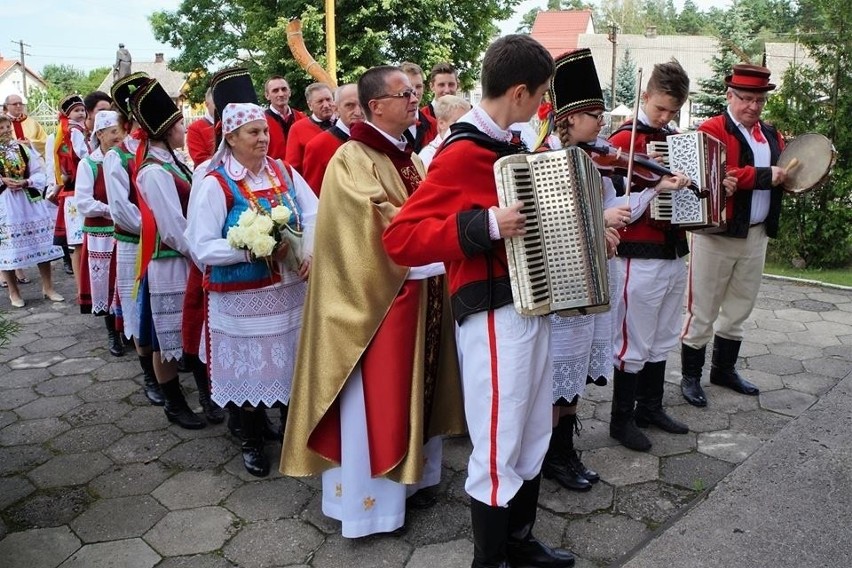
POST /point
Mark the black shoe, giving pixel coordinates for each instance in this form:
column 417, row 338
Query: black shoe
column 152, row 389
column 422, row 499
column 649, row 400
column 522, row 548
column 722, row 370
column 254, row 459
column 577, row 465
column 691, row 364
column 116, row 345
column 212, row 413
column 67, row 266
column 622, row 426
column 176, row 408
column 692, row 391
column 556, row 464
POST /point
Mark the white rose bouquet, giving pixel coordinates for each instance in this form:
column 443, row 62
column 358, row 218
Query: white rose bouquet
column 262, row 234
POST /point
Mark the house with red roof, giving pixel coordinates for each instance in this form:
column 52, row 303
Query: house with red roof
column 12, row 79
column 559, row 30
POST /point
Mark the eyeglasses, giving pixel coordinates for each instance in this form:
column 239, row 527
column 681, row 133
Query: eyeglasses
column 598, row 117
column 406, row 94
column 14, row 104
column 760, row 101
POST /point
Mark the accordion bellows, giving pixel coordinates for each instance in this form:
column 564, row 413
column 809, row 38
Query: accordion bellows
column 559, row 265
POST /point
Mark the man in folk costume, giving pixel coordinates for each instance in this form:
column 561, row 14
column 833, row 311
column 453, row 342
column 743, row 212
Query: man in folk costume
column 425, row 128
column 319, row 150
column 25, row 128
column 725, row 269
column 280, row 115
column 377, row 373
column 321, row 103
column 506, row 365
column 200, row 135
column 119, row 167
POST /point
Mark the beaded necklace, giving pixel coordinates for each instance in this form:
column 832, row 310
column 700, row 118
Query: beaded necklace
column 280, row 196
column 10, row 161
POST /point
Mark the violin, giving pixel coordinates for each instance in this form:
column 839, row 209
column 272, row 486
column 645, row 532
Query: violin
column 647, row 172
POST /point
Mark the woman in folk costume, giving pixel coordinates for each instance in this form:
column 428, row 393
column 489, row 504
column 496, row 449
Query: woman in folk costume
column 26, row 224
column 97, row 274
column 70, row 147
column 119, row 167
column 254, row 300
column 163, row 184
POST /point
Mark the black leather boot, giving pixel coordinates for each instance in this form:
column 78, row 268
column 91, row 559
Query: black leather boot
column 251, row 437
column 212, row 413
column 691, row 364
column 270, row 430
column 176, row 408
column 152, row 389
column 234, row 420
column 573, row 455
column 622, row 426
column 722, row 371
column 490, row 530
column 66, row 260
column 116, row 346
column 556, row 464
column 649, row 400
column 522, row 548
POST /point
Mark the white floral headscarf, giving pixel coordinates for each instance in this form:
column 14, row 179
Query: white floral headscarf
column 234, row 116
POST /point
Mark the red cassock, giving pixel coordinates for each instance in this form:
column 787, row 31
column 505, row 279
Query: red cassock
column 301, row 133
column 279, row 129
column 200, row 140
column 318, row 153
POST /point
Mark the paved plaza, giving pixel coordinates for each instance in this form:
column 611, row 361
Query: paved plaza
column 92, row 476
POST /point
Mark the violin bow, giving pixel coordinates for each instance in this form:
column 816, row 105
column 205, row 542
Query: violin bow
column 633, row 133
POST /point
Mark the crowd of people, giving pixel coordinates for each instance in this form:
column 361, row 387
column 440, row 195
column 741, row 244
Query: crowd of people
column 308, row 262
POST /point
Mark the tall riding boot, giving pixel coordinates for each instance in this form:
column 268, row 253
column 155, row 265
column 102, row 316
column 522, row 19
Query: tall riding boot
column 649, row 400
column 574, row 461
column 176, row 408
column 234, row 420
column 691, row 364
column 116, row 346
column 556, row 465
column 66, row 260
column 212, row 412
column 152, row 389
column 722, row 371
column 251, row 437
column 622, row 427
column 522, row 548
column 490, row 529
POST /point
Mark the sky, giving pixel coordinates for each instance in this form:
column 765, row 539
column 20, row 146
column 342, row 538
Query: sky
column 86, row 35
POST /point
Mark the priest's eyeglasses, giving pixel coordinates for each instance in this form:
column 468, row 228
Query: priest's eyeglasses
column 759, row 101
column 406, row 94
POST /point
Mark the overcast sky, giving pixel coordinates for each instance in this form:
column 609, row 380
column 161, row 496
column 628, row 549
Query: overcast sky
column 87, row 34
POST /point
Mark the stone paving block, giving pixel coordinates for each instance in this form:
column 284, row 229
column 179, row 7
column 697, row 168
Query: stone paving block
column 198, row 561
column 726, row 400
column 38, row 548
column 7, row 417
column 595, row 433
column 813, row 305
column 12, row 489
column 771, row 303
column 554, row 497
column 16, row 459
column 77, row 366
column 24, row 378
column 598, row 394
column 781, row 294
column 605, row 537
column 845, row 339
column 767, row 337
column 840, row 351
column 695, row 471
column 759, row 423
column 84, row 348
column 129, row 479
column 13, row 398
column 837, row 316
column 265, row 500
column 620, row 466
column 374, row 551
column 32, row 431
column 775, row 364
column 108, row 391
column 834, row 367
column 313, row 514
column 446, row 520
column 48, row 406
column 795, row 350
column 652, row 502
column 120, row 518
column 210, row 431
column 203, row 454
column 457, row 452
column 52, row 344
column 96, row 413
column 144, row 447
column 36, row 361
column 827, row 328
column 70, row 469
column 814, row 339
column 132, row 553
column 782, row 326
column 453, row 554
column 49, row 508
column 750, row 349
column 666, row 444
column 86, row 439
column 117, row 369
column 236, row 468
column 728, row 445
column 795, row 314
column 831, row 297
column 59, row 386
column 192, row 531
column 77, row 330
column 765, row 381
column 704, row 419
column 268, row 543
column 787, row 401
column 195, row 489
column 142, row 419
column 816, row 385
column 20, row 340
column 9, row 353
column 41, row 317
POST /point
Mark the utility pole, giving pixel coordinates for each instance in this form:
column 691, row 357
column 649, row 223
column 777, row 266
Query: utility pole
column 613, row 39
column 21, row 45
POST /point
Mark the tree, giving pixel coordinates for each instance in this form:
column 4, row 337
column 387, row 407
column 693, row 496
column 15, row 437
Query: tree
column 214, row 33
column 816, row 228
column 690, row 21
column 63, row 80
column 626, row 14
column 660, row 14
column 625, row 81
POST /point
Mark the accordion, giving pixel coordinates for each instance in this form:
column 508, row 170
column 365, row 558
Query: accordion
column 559, row 265
column 702, row 158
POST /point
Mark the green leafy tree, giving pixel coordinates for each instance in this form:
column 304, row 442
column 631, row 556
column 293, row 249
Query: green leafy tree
column 212, row 34
column 625, row 80
column 660, row 14
column 65, row 80
column 816, row 228
column 690, row 21
column 626, row 14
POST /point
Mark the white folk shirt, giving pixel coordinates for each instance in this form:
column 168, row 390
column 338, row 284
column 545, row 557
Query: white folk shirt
column 762, row 159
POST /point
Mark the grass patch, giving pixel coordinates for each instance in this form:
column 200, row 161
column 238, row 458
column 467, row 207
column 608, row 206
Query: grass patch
column 841, row 276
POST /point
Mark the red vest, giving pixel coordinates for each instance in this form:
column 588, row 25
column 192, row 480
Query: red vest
column 99, row 193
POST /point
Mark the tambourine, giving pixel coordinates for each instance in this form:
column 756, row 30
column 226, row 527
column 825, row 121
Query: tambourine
column 808, row 159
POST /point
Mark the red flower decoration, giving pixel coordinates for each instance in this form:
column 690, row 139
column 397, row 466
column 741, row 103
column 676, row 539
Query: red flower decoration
column 544, row 110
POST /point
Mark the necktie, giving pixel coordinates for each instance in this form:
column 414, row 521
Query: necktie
column 757, row 134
